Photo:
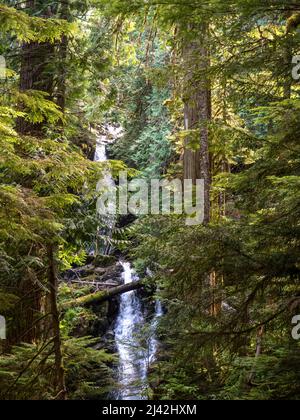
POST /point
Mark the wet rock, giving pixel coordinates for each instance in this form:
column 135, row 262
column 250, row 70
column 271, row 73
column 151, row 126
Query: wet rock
column 91, row 273
column 113, row 274
column 78, row 273
column 99, row 271
column 103, row 270
column 104, row 260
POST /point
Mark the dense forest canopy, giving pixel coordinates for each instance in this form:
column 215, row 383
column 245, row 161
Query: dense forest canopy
column 197, row 90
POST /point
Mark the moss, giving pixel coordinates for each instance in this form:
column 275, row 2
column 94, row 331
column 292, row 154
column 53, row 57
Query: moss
column 85, row 300
column 7, row 302
column 104, row 260
column 100, row 297
column 293, row 22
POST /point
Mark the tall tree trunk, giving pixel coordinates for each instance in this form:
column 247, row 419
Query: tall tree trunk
column 30, row 311
column 62, row 56
column 197, row 113
column 258, row 351
column 35, row 72
column 53, row 285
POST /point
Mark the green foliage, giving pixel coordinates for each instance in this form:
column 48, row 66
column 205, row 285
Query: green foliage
column 25, row 374
column 26, row 28
column 7, row 302
column 47, row 197
column 141, row 109
column 257, row 258
column 230, row 287
column 276, row 376
column 88, row 374
column 37, row 108
column 211, row 332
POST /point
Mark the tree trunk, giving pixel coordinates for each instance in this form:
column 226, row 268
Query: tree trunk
column 59, row 370
column 197, row 114
column 259, row 341
column 35, row 73
column 62, row 56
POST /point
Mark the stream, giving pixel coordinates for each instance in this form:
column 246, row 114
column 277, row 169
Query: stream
column 135, row 338
column 136, row 342
column 133, row 363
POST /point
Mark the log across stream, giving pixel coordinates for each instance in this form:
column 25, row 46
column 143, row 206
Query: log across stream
column 102, row 296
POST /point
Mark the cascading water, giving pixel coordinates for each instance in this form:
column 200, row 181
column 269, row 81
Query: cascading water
column 136, row 343
column 107, row 182
column 132, row 370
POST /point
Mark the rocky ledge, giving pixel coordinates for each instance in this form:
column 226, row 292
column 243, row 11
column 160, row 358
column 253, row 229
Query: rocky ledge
column 102, row 273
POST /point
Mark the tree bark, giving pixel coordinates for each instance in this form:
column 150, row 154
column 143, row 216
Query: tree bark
column 259, row 341
column 35, row 73
column 59, row 370
column 197, row 113
column 62, row 56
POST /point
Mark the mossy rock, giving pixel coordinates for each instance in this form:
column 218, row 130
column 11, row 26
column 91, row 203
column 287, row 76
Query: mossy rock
column 104, row 260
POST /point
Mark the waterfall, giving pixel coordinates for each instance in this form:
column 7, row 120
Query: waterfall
column 136, row 342
column 107, row 182
column 132, row 371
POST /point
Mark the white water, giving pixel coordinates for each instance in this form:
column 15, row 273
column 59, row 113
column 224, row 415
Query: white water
column 135, row 341
column 132, row 370
column 106, row 183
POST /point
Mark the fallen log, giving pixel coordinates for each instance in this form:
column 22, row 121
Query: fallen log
column 103, row 296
